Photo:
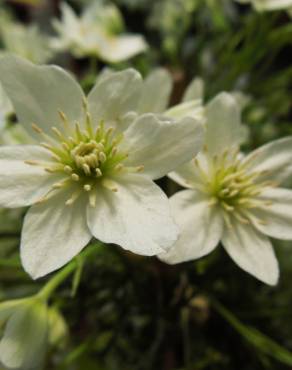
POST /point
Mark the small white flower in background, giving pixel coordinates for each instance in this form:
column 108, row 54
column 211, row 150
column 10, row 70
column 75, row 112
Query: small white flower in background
column 91, row 171
column 233, row 198
column 25, row 335
column 25, row 41
column 262, row 5
column 99, row 31
column 28, row 327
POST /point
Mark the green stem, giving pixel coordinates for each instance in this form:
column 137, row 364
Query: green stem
column 60, row 276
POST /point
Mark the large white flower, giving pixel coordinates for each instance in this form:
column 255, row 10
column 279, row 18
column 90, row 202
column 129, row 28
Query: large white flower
column 262, row 5
column 90, row 172
column 99, row 31
column 233, row 198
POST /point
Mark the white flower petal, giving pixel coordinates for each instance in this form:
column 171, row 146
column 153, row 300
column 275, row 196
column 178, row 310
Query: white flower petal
column 115, row 95
column 274, row 159
column 277, row 216
column 201, row 227
column 186, row 175
column 39, row 92
column 161, row 144
column 22, row 184
column 223, row 123
column 261, row 5
column 252, row 251
column 25, row 337
column 191, row 108
column 156, row 92
column 53, row 234
column 195, row 90
column 136, row 217
column 119, row 48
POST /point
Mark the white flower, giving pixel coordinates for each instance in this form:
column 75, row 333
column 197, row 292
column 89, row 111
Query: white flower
column 233, row 198
column 99, row 31
column 91, row 174
column 25, row 41
column 262, row 5
column 25, row 335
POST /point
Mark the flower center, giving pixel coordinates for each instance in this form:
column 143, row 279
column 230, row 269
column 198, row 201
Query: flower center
column 87, row 156
column 233, row 186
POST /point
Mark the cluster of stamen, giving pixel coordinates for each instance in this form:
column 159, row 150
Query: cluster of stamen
column 233, row 186
column 88, row 157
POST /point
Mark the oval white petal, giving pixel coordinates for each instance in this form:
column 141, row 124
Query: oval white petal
column 195, row 90
column 114, row 95
column 273, row 159
column 53, row 234
column 252, row 251
column 201, row 227
column 156, row 92
column 39, row 92
column 22, row 184
column 223, row 123
column 119, row 48
column 276, row 216
column 136, row 217
column 161, row 144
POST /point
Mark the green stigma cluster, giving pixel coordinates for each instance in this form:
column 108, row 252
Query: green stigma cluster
column 233, row 186
column 87, row 155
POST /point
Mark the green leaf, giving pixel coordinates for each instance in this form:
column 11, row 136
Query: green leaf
column 259, row 340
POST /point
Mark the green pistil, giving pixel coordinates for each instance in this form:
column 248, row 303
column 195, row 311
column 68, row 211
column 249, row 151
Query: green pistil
column 233, row 186
column 86, row 156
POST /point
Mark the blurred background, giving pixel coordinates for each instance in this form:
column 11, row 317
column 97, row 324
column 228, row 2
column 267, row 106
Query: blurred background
column 125, row 312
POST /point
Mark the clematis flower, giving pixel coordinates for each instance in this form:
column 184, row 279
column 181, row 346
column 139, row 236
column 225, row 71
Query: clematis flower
column 92, row 168
column 262, row 5
column 99, row 31
column 25, row 335
column 233, row 198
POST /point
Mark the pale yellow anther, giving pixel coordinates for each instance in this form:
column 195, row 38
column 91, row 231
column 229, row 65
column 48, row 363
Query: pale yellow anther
column 59, row 185
column 110, row 185
column 75, row 177
column 114, row 151
column 87, row 187
column 102, row 157
column 68, row 169
column 57, row 132
column 46, row 146
column 31, row 162
column 36, row 128
column 73, row 197
column 86, row 169
column 66, row 146
column 227, row 207
column 98, row 172
column 119, row 167
column 140, row 168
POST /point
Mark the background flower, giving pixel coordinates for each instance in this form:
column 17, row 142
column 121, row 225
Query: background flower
column 99, row 31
